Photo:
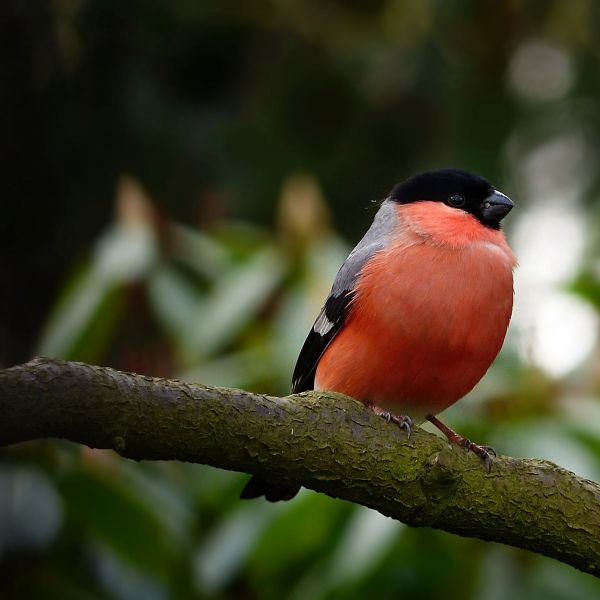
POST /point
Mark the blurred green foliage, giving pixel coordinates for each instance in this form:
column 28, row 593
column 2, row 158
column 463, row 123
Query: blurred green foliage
column 246, row 123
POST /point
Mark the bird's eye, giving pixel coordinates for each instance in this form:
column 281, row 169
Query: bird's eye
column 456, row 200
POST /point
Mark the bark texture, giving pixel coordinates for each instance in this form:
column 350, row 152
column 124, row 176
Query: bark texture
column 325, row 442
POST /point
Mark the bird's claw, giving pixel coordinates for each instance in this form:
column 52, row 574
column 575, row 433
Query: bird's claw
column 403, row 421
column 490, row 450
column 484, row 452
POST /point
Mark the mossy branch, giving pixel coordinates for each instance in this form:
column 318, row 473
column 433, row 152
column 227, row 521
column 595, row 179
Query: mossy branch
column 326, row 442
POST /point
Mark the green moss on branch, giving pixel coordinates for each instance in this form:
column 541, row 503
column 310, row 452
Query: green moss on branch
column 325, row 442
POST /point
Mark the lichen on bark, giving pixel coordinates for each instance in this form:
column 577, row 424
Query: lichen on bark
column 325, row 442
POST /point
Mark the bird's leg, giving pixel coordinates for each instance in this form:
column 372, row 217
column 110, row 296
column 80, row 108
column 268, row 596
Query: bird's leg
column 485, row 452
column 403, row 421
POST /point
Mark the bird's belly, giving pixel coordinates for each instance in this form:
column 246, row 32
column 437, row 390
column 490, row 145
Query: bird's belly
column 424, row 329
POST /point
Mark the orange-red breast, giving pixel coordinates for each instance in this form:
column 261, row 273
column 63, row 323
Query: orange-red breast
column 418, row 311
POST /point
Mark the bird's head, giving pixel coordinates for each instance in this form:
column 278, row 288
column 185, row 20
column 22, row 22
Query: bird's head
column 457, row 189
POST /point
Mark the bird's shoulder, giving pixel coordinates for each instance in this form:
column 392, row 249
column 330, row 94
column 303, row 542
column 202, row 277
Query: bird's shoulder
column 338, row 304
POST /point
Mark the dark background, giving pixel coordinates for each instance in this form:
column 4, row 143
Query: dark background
column 180, row 182
column 211, row 105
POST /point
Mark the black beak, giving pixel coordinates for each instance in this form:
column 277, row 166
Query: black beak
column 495, row 207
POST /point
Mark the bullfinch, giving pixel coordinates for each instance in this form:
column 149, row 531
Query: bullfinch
column 419, row 309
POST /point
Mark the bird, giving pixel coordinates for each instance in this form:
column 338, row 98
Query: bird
column 418, row 311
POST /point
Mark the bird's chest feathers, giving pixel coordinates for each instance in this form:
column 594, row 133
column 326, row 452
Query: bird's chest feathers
column 443, row 286
column 428, row 317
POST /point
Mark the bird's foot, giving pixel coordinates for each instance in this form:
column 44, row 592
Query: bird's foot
column 403, row 421
column 484, row 452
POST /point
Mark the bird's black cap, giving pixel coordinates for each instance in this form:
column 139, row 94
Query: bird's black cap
column 458, row 189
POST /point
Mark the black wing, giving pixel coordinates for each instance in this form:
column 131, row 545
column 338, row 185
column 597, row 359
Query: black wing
column 333, row 315
column 329, row 322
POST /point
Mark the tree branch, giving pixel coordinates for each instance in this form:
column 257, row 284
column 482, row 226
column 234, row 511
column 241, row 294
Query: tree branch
column 326, row 442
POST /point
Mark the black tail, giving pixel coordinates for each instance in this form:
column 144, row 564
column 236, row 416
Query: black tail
column 273, row 492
